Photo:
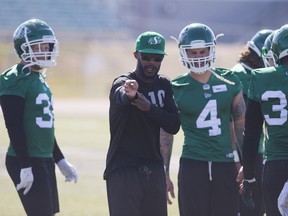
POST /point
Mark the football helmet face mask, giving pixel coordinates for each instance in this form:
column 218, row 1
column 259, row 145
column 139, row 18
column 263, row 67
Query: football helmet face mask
column 31, row 35
column 257, row 41
column 279, row 45
column 194, row 36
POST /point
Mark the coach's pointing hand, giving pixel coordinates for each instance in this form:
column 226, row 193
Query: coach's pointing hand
column 130, row 88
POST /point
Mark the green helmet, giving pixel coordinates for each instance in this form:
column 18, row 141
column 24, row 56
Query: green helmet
column 267, row 54
column 35, row 32
column 197, row 35
column 280, row 44
column 257, row 41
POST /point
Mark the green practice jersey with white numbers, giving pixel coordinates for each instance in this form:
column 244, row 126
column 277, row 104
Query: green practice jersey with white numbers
column 205, row 112
column 38, row 111
column 269, row 87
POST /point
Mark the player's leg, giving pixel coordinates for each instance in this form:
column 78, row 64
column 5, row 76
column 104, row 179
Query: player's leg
column 154, row 183
column 124, row 192
column 193, row 188
column 224, row 189
column 42, row 199
column 274, row 177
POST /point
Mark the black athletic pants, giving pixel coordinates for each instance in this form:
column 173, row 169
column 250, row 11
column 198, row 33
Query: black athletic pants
column 207, row 188
column 137, row 191
column 275, row 175
column 42, row 199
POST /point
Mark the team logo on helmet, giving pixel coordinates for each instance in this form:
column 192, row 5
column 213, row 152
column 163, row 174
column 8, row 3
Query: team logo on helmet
column 154, row 40
column 21, row 32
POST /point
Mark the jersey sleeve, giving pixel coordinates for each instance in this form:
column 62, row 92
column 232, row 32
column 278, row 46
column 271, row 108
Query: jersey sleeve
column 13, row 112
column 117, row 93
column 253, row 129
column 12, row 83
column 252, row 91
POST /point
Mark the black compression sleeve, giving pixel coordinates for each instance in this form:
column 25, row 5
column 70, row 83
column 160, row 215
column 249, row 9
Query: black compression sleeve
column 252, row 134
column 13, row 112
column 57, row 154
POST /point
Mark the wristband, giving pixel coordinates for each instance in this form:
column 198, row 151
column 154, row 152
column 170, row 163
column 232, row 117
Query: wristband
column 135, row 97
column 236, row 156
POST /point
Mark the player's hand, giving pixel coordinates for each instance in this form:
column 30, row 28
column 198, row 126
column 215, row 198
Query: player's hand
column 142, row 103
column 170, row 189
column 248, row 186
column 283, row 200
column 26, row 180
column 130, row 88
column 67, row 170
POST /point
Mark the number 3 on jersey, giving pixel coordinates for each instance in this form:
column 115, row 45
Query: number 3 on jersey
column 208, row 119
column 279, row 108
column 46, row 111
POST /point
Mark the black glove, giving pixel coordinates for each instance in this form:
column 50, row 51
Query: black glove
column 249, row 186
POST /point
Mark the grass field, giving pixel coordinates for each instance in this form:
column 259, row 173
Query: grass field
column 81, row 83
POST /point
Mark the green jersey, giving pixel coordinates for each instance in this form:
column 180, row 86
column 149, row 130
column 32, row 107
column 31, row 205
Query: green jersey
column 269, row 88
column 245, row 77
column 38, row 111
column 205, row 112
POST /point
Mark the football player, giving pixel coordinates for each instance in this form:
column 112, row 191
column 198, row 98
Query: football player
column 26, row 102
column 251, row 58
column 267, row 101
column 207, row 97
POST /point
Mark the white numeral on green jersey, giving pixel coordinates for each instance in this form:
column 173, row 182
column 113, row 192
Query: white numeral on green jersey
column 276, row 108
column 210, row 110
column 46, row 111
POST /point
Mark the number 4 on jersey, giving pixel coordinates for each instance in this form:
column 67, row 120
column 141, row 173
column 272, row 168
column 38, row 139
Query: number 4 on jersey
column 203, row 121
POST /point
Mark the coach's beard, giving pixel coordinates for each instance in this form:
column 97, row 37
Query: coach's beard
column 141, row 72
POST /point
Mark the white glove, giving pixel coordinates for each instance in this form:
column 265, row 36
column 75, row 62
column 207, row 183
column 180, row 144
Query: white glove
column 283, row 200
column 67, row 170
column 26, row 180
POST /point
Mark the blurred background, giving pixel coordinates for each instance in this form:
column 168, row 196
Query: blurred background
column 96, row 40
column 97, row 36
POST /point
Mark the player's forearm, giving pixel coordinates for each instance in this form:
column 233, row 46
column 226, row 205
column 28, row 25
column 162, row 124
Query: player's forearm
column 238, row 116
column 57, row 154
column 166, row 144
column 239, row 130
